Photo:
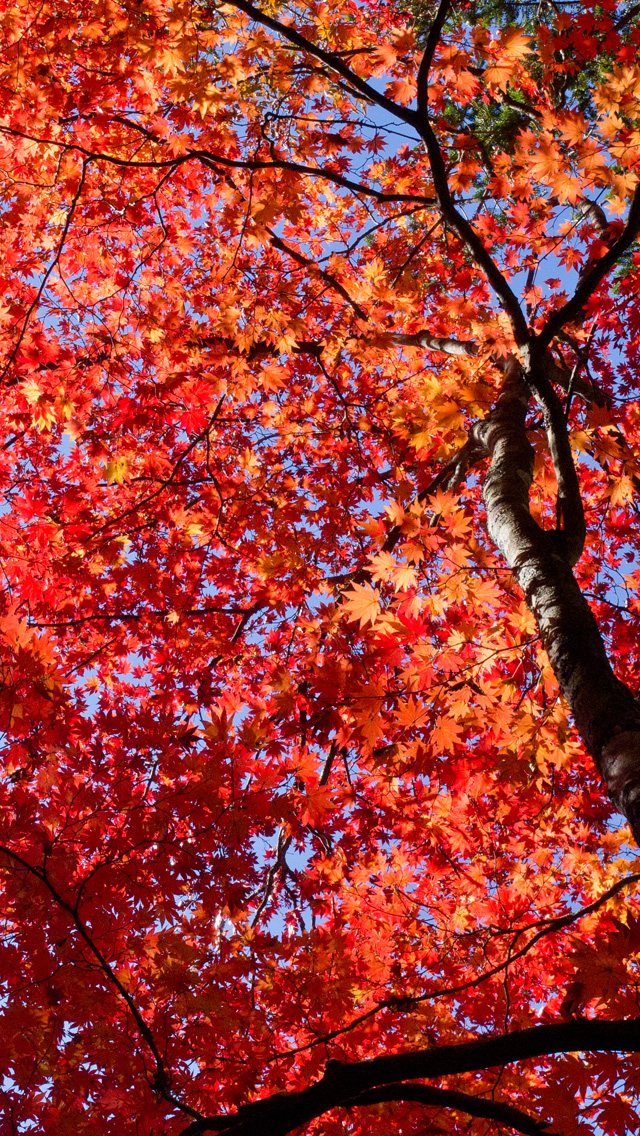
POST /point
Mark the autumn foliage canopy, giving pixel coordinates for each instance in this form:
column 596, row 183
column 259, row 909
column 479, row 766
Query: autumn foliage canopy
column 320, row 611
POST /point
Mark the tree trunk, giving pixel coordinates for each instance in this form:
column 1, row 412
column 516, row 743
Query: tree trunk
column 605, row 711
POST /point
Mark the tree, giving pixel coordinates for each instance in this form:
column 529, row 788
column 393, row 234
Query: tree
column 319, row 634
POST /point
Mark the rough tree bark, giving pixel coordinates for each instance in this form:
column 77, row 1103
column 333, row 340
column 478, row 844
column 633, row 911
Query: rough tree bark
column 605, row 711
column 606, row 714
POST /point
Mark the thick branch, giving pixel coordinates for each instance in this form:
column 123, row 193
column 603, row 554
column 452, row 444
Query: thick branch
column 329, row 58
column 462, row 1102
column 570, row 382
column 461, row 347
column 208, row 158
column 467, row 233
column 282, row 1113
column 627, row 18
column 466, row 348
column 594, row 213
column 507, row 484
column 570, row 510
column 606, row 714
column 433, row 38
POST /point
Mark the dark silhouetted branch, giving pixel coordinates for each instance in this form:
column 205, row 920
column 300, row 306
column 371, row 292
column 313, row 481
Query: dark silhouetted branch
column 463, row 1102
column 574, row 307
column 281, row 1113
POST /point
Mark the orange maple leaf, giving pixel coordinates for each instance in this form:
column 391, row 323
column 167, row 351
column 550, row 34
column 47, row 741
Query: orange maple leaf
column 446, row 734
column 362, row 603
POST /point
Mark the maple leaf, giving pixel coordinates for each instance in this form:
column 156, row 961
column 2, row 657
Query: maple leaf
column 382, row 566
column 402, row 91
column 412, row 713
column 546, row 162
column 514, row 43
column 285, row 761
column 362, row 603
column 446, row 734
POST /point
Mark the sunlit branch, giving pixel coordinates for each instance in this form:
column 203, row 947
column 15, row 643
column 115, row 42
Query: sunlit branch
column 306, row 262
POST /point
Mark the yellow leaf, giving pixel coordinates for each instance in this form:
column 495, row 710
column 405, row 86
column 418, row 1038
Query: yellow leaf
column 117, row 470
column 621, row 490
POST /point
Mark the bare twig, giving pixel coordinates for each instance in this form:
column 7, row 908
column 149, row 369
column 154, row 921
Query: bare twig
column 450, row 213
column 329, row 279
column 282, row 848
column 45, row 279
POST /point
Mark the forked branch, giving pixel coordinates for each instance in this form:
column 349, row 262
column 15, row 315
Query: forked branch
column 430, row 1096
column 344, row 1082
column 605, row 711
column 596, row 274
